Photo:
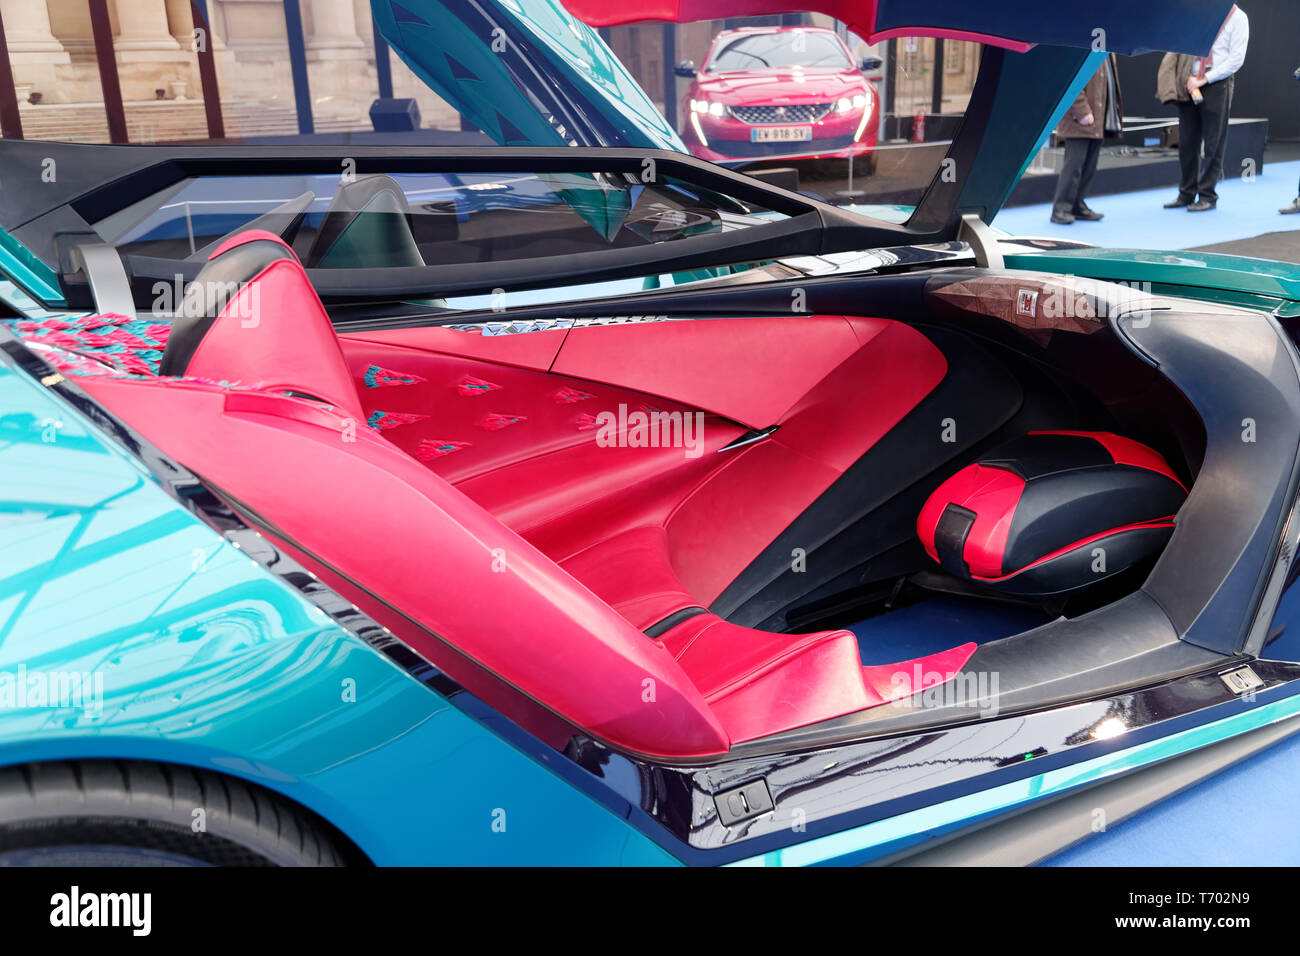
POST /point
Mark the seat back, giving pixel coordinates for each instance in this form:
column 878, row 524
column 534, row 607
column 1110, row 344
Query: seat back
column 252, row 316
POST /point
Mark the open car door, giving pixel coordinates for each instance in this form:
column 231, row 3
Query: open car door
column 529, row 75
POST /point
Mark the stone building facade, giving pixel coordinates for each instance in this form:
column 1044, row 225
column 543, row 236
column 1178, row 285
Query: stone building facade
column 52, row 55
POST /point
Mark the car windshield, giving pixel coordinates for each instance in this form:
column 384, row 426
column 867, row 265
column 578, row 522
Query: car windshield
column 779, row 50
column 237, row 74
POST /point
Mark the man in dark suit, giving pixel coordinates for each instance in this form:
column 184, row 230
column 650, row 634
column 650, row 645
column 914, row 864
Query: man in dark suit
column 1294, row 208
column 1204, row 99
column 1097, row 112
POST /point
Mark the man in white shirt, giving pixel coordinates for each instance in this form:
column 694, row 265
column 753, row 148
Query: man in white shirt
column 1203, row 116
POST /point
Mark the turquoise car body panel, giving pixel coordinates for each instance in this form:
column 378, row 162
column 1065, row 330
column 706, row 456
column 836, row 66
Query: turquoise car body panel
column 29, row 272
column 1260, row 283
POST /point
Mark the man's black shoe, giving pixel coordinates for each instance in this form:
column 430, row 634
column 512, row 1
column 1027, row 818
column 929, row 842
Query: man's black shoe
column 1062, row 218
column 1203, row 206
column 1178, row 203
column 1087, row 214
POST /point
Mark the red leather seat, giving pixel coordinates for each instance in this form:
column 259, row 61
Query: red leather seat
column 1052, row 512
column 251, row 316
column 757, row 682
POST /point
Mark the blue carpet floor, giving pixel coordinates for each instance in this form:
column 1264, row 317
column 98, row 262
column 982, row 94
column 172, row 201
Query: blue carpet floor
column 939, row 624
column 1137, row 221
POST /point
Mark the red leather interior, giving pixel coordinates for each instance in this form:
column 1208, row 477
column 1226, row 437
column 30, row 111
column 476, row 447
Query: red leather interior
column 630, row 572
column 480, row 502
column 750, row 370
column 833, row 385
column 274, row 331
column 760, row 683
column 993, row 494
column 382, row 519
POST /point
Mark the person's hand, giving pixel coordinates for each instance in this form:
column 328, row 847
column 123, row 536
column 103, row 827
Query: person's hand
column 1194, row 84
column 1087, row 120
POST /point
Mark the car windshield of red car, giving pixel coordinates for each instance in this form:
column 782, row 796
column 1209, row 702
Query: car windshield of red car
column 767, row 51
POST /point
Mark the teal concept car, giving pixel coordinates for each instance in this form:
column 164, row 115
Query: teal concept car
column 573, row 500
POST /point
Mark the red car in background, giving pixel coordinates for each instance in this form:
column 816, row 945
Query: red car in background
column 788, row 92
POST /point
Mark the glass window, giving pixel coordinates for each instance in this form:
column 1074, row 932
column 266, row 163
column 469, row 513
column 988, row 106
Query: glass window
column 373, row 221
column 778, row 50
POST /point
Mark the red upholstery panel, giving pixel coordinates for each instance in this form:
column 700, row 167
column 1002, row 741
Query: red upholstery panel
column 569, row 500
column 409, row 536
column 749, row 370
column 759, row 683
column 631, row 573
column 869, row 393
column 993, row 494
column 742, row 508
column 468, row 418
column 835, row 385
column 535, row 350
column 275, row 331
column 738, row 511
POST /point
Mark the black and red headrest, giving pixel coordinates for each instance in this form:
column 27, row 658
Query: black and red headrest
column 1052, row 512
column 252, row 316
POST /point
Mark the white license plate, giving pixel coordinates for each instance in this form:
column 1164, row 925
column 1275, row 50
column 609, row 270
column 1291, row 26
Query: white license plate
column 780, row 134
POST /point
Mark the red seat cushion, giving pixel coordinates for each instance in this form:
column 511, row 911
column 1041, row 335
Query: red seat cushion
column 632, row 574
column 1052, row 511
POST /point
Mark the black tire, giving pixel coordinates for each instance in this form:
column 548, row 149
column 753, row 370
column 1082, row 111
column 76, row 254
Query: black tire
column 128, row 813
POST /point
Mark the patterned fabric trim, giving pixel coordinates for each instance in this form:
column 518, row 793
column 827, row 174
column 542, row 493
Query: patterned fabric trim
column 131, row 346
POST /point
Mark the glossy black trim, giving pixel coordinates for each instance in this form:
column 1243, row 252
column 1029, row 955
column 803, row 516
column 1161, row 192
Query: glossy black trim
column 672, row 620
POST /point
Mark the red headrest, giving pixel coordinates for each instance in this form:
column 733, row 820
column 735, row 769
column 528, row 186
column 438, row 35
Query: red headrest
column 251, row 316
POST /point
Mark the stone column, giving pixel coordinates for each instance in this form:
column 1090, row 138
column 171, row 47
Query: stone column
column 333, row 32
column 180, row 24
column 339, row 64
column 27, row 27
column 34, row 52
column 142, row 26
column 149, row 58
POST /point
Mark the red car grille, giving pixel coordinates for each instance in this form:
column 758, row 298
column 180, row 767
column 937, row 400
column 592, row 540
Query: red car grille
column 776, row 115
